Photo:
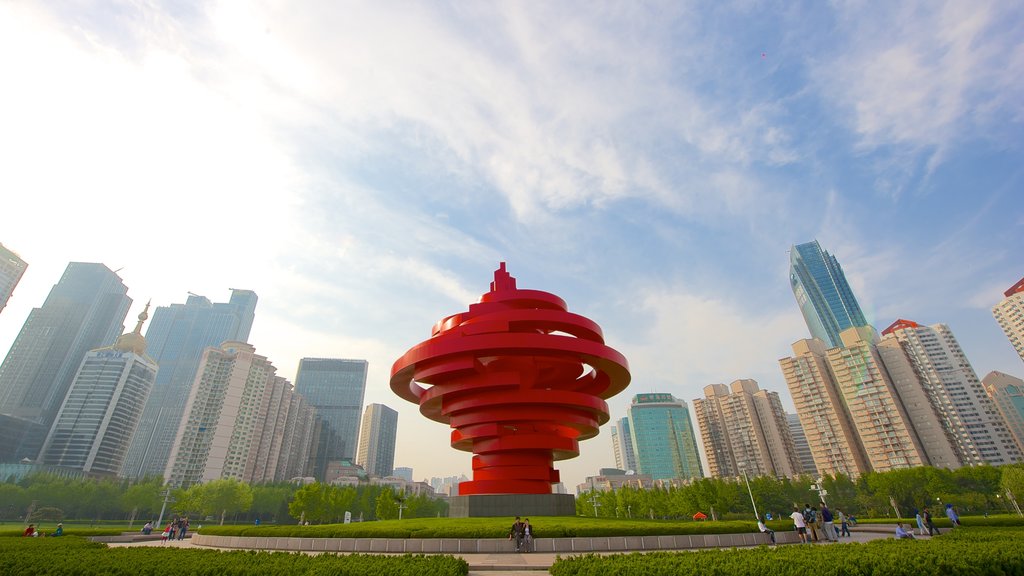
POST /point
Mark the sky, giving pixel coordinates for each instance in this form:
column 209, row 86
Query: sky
column 364, row 167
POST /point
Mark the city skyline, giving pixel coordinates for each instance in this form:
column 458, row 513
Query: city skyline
column 650, row 164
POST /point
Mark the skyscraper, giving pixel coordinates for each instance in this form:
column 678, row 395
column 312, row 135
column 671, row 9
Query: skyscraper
column 101, row 410
column 966, row 412
column 335, row 387
column 1007, row 392
column 84, row 310
column 1010, row 315
column 377, row 438
column 825, row 298
column 235, row 421
column 12, row 268
column 744, row 430
column 176, row 339
column 803, row 449
column 663, row 440
column 622, row 444
column 819, row 405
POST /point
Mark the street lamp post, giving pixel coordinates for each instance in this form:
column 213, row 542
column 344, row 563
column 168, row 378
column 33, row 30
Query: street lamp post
column 751, row 493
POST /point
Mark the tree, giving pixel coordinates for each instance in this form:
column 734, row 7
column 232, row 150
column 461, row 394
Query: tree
column 223, row 496
column 143, row 498
column 387, row 505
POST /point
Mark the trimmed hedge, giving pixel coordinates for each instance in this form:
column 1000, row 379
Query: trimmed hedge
column 965, row 551
column 543, row 527
column 73, row 556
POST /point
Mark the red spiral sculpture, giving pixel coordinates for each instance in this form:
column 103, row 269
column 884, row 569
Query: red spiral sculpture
column 519, row 379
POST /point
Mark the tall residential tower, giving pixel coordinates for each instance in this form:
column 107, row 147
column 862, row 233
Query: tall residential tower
column 176, row 339
column 1010, row 315
column 12, row 268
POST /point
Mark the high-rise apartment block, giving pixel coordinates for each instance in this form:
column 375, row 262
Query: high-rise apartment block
column 335, row 387
column 622, row 445
column 377, row 437
column 1010, row 315
column 236, row 421
column 12, row 268
column 803, row 449
column 967, row 414
column 101, row 411
column 819, row 404
column 825, row 298
column 85, row 310
column 1007, row 393
column 744, row 430
column 176, row 339
column 663, row 440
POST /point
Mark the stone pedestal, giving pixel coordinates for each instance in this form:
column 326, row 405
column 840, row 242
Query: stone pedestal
column 511, row 505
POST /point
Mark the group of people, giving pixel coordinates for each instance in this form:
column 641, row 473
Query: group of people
column 813, row 521
column 522, row 534
column 176, row 529
column 31, row 531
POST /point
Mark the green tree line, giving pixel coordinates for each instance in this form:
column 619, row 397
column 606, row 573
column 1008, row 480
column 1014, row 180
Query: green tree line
column 59, row 498
column 973, row 490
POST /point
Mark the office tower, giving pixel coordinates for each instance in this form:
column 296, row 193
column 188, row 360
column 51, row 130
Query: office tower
column 819, row 404
column 177, row 337
column 663, row 440
column 12, row 268
column 300, row 434
column 377, row 437
column 1010, row 315
column 403, row 473
column 803, row 449
column 970, row 419
column 84, row 310
column 335, row 387
column 825, row 299
column 622, row 444
column 1007, row 394
column 235, row 421
column 101, row 411
column 744, row 430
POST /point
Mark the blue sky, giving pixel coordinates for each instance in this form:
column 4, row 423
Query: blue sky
column 364, row 167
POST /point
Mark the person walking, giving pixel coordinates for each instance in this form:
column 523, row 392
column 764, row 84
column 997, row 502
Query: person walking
column 182, row 528
column 952, row 515
column 920, row 522
column 800, row 523
column 527, row 535
column 844, row 524
column 809, row 519
column 826, row 523
column 930, row 523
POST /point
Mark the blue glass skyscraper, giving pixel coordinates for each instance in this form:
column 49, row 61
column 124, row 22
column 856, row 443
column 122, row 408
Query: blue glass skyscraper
column 176, row 338
column 84, row 310
column 664, row 444
column 821, row 291
column 335, row 387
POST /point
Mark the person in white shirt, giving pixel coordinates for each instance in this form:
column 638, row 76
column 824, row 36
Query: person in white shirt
column 800, row 524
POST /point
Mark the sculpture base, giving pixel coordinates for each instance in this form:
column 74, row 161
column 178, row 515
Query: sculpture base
column 511, row 505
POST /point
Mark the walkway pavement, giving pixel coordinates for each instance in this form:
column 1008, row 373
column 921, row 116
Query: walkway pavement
column 536, row 563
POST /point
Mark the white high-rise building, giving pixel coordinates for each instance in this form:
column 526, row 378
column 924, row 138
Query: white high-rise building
column 12, row 268
column 377, row 437
column 622, row 445
column 101, row 411
column 744, row 430
column 970, row 419
column 236, row 422
column 1010, row 315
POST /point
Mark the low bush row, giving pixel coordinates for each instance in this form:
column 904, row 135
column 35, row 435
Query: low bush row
column 543, row 527
column 73, row 556
column 965, row 551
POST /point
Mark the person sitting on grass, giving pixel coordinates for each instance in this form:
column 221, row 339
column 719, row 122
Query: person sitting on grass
column 59, row 531
column 901, row 532
column 30, row 531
